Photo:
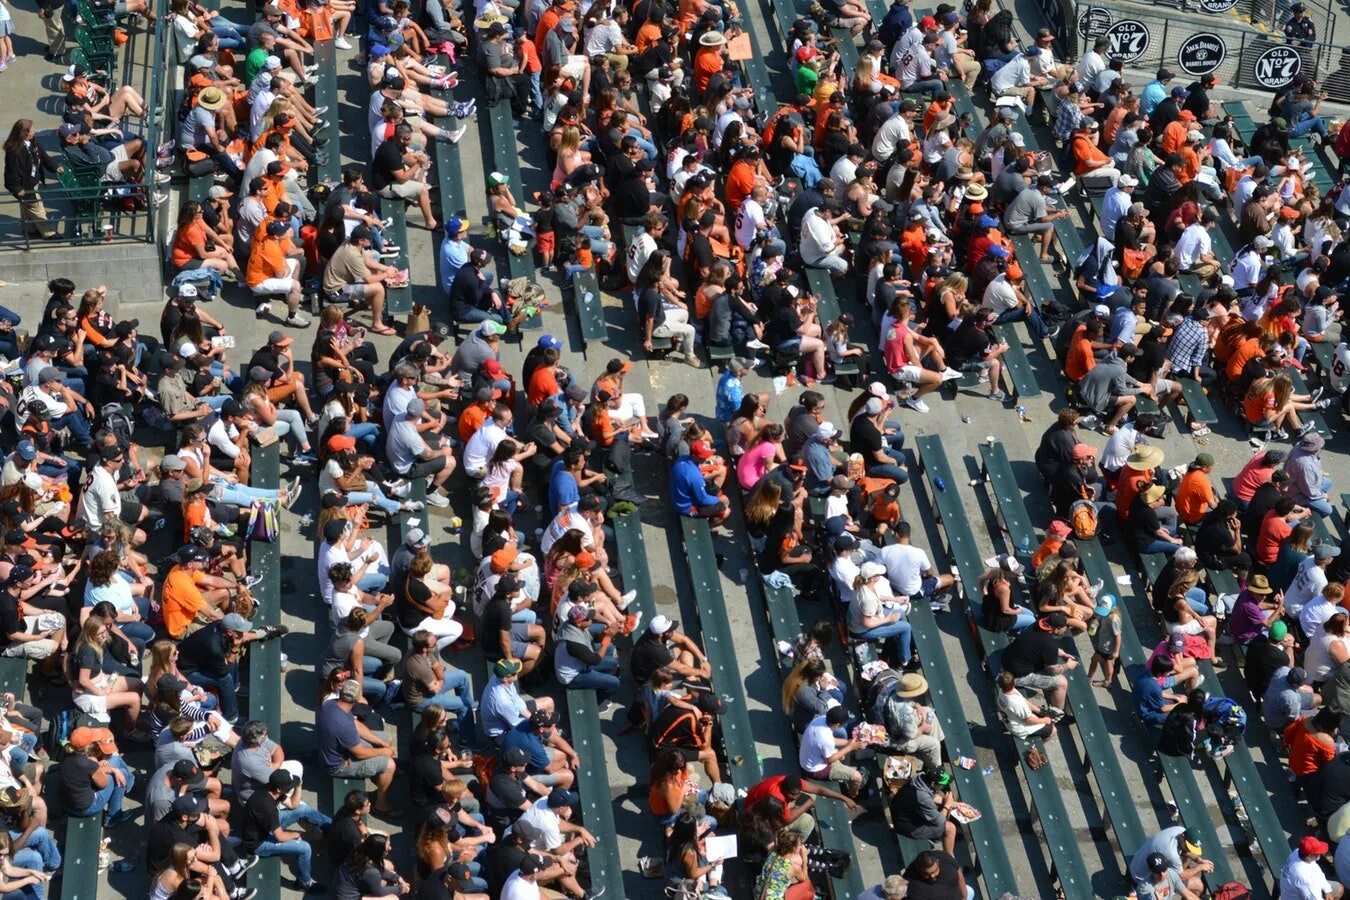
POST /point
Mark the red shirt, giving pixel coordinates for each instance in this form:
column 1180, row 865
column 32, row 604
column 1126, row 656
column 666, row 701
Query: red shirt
column 1274, row 532
column 1254, row 474
column 769, row 787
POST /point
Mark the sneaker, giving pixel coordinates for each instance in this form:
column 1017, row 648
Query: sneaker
column 293, row 491
column 1054, row 712
column 397, row 489
column 1096, row 587
column 454, row 136
column 273, row 631
column 631, row 622
column 304, row 459
column 243, row 893
column 594, row 893
column 251, row 581
column 627, row 599
column 319, row 111
column 1066, row 185
column 998, row 395
column 245, row 864
column 1324, row 404
column 341, row 43
column 1317, row 395
column 312, row 67
column 411, row 506
column 297, row 321
column 263, row 310
column 950, row 374
column 389, row 254
column 163, row 178
column 756, row 344
column 916, row 404
column 440, row 501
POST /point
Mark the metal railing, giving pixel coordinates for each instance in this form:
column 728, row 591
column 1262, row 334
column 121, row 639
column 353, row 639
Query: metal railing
column 84, row 214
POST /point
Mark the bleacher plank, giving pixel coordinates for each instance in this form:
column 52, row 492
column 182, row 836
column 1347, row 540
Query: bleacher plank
column 743, row 764
column 590, row 310
column 79, row 868
column 398, row 300
column 1066, row 858
column 506, row 159
column 597, row 804
column 1015, row 362
column 325, row 94
column 264, row 657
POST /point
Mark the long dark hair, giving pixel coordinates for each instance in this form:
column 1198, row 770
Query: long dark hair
column 17, row 135
column 370, row 854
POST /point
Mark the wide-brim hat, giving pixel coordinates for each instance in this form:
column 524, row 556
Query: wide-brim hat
column 1145, row 458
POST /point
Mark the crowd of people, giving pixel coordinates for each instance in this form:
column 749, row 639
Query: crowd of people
column 870, row 171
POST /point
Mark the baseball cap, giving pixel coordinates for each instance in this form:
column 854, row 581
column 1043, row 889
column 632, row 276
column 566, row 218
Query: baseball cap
column 516, row 756
column 84, row 737
column 236, row 622
column 560, row 797
column 190, row 773
column 27, row 451
column 549, row 342
column 1309, row 846
column 340, row 442
column 417, row 539
column 189, row 804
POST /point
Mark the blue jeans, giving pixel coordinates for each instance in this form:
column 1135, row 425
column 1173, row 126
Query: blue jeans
column 303, row 812
column 298, row 851
column 374, row 580
column 226, row 686
column 242, row 494
column 599, row 678
column 1196, row 599
column 1311, row 123
column 108, row 800
column 456, row 694
column 647, row 146
column 364, row 433
column 77, row 423
column 1035, row 324
column 1158, row 545
column 43, row 846
column 924, row 86
column 1025, row 619
column 375, row 496
column 902, row 631
column 1322, row 506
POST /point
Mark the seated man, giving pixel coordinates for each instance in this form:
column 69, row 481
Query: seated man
column 1036, row 661
column 268, row 816
column 822, row 754
column 1288, row 698
column 348, row 749
column 356, row 277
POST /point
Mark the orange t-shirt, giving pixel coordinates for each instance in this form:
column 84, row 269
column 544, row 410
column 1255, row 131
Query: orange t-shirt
column 529, row 57
column 1086, row 155
column 647, row 37
column 196, row 514
column 1079, row 360
column 185, row 242
column 548, row 20
column 471, row 420
column 1190, row 164
column 1258, row 405
column 1174, row 136
column 1049, row 547
column 182, row 600
column 707, row 63
column 1193, row 497
column 1245, row 352
column 740, row 181
column 1306, row 755
column 267, row 260
column 543, row 384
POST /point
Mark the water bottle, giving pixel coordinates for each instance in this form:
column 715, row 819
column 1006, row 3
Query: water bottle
column 1024, row 549
column 123, row 865
column 987, row 771
column 939, row 483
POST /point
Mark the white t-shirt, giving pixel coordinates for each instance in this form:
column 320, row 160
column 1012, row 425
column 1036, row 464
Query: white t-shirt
column 1340, row 368
column 1193, row 243
column 1015, row 73
column 343, row 604
column 34, row 394
column 642, row 247
column 328, row 476
column 566, row 520
column 1307, row 584
column 1016, row 710
column 817, row 237
column 222, row 437
column 905, row 565
column 100, row 499
column 1000, row 296
column 603, row 38
column 541, row 825
column 749, row 220
column 1301, row 880
column 517, row 888
column 816, row 747
column 844, row 571
column 482, row 445
column 329, row 556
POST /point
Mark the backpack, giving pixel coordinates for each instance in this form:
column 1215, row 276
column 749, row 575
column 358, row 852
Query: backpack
column 207, row 281
column 1227, row 712
column 114, row 418
column 1083, row 519
column 262, row 521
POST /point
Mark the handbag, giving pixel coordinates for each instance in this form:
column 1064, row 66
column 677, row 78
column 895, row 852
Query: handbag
column 262, row 521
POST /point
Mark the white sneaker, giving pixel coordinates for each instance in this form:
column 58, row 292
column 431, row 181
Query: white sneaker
column 397, row 489
column 341, row 43
column 454, row 136
column 756, row 344
column 916, row 404
column 297, row 321
column 263, row 309
column 950, row 374
column 163, row 178
column 411, row 506
column 319, row 111
column 626, row 599
column 440, row 501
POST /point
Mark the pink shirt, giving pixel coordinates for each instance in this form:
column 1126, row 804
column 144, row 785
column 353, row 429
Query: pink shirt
column 754, row 463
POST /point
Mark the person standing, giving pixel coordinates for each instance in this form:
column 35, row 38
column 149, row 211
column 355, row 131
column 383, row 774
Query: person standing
column 50, row 11
column 26, row 168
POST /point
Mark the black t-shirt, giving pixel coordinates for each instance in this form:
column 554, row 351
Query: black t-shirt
column 782, row 325
column 967, row 344
column 507, row 790
column 649, row 307
column 268, row 359
column 1034, row 650
column 503, row 859
column 1262, row 660
column 1144, row 522
column 163, row 835
column 261, row 821
column 425, row 780
column 865, row 437
column 410, row 614
column 10, row 620
column 76, row 781
column 617, row 171
column 945, row 887
column 433, row 887
column 1331, row 788
column 1214, row 540
column 801, row 424
column 97, row 663
column 1143, row 367
column 496, row 619
column 649, row 654
column 204, row 651
column 387, row 160
column 342, row 838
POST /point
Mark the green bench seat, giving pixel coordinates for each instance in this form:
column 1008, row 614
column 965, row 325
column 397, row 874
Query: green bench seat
column 822, row 285
column 449, row 174
column 743, row 764
column 593, row 787
column 506, row 157
column 1066, row 858
column 264, row 658
column 1323, row 355
column 1197, row 401
column 1116, row 802
column 633, row 565
column 325, row 94
column 13, row 676
column 1191, row 803
column 79, row 869
column 590, row 309
column 1016, row 363
column 398, row 301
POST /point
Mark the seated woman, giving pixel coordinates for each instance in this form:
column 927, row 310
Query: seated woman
column 349, row 473
column 183, row 868
column 429, row 606
column 876, row 614
column 1271, row 405
column 1181, row 617
column 809, row 690
column 95, row 686
column 1069, row 592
